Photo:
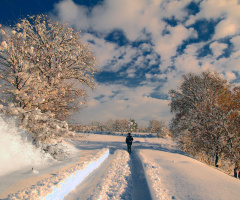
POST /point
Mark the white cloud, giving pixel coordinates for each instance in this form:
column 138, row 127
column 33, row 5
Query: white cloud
column 70, row 12
column 174, row 8
column 119, row 14
column 131, row 72
column 226, row 28
column 167, row 45
column 217, row 48
column 230, row 76
column 105, row 52
column 144, row 19
column 227, row 10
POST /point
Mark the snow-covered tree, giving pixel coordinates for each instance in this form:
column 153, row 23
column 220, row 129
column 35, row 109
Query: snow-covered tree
column 45, row 65
column 155, row 126
column 198, row 115
column 229, row 100
column 109, row 125
column 16, row 71
column 133, row 126
column 97, row 126
column 120, row 125
column 164, row 132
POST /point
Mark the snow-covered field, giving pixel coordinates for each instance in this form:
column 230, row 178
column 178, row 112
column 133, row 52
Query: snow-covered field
column 99, row 167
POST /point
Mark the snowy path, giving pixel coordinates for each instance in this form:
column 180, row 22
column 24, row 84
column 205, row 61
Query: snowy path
column 136, row 187
column 156, row 170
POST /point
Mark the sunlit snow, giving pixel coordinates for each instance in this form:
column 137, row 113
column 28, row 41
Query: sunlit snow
column 71, row 182
column 17, row 143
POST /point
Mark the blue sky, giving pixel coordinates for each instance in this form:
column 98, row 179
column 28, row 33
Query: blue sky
column 143, row 47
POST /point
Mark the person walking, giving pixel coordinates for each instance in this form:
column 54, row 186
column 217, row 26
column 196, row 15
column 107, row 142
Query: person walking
column 129, row 140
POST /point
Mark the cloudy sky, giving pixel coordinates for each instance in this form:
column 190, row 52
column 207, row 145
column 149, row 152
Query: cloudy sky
column 143, row 47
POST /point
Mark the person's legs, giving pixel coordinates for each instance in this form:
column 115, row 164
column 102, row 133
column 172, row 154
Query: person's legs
column 129, row 148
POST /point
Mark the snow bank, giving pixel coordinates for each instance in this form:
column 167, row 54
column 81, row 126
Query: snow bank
column 153, row 173
column 16, row 150
column 61, row 183
column 116, row 183
column 175, row 175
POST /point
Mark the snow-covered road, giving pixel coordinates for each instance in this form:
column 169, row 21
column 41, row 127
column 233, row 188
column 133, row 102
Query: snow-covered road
column 121, row 176
column 156, row 169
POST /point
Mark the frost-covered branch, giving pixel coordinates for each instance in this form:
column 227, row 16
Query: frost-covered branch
column 42, row 62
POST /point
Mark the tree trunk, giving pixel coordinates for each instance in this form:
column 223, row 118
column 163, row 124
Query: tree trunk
column 235, row 172
column 216, row 159
column 216, row 156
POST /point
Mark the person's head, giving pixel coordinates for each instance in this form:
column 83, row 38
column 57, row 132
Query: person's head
column 129, row 134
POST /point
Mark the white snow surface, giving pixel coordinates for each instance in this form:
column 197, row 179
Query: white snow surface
column 17, row 151
column 115, row 180
column 155, row 166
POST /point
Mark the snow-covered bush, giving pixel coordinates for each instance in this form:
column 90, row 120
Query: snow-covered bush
column 46, row 133
column 164, row 133
column 42, row 126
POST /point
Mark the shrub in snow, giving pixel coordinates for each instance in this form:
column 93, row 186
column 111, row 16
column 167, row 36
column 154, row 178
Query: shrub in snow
column 43, row 127
column 46, row 132
column 164, row 133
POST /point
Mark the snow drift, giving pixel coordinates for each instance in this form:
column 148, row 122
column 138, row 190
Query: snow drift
column 17, row 151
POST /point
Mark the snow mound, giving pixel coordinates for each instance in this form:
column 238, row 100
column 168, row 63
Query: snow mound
column 115, row 182
column 17, row 151
column 152, row 171
column 59, row 151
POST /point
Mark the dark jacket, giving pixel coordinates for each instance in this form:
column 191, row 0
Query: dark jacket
column 129, row 139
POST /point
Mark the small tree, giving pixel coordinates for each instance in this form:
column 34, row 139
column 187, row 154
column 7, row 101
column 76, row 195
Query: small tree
column 133, row 126
column 45, row 65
